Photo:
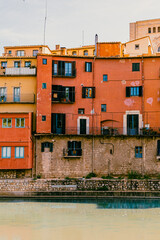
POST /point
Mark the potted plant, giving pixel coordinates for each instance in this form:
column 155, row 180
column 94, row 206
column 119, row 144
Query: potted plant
column 2, row 98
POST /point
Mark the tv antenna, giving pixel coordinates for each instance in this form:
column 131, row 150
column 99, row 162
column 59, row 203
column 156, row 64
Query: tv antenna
column 45, row 21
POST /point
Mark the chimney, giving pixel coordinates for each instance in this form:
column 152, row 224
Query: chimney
column 96, row 41
column 58, row 47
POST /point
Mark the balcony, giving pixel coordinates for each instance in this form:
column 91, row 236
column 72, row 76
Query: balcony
column 23, row 98
column 72, row 153
column 22, row 71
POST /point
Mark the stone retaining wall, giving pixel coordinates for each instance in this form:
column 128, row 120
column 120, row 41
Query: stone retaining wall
column 43, row 185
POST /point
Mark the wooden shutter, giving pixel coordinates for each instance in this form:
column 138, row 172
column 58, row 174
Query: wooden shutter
column 72, row 94
column 127, row 91
column 42, row 147
column 69, row 148
column 74, row 69
column 91, row 67
column 59, row 68
column 93, row 92
column 53, row 123
column 140, row 91
column 85, row 66
column 51, row 147
column 78, row 148
column 158, row 148
column 52, row 67
column 63, row 119
column 83, row 92
column 63, row 68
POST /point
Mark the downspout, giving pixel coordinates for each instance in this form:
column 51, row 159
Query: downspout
column 142, row 89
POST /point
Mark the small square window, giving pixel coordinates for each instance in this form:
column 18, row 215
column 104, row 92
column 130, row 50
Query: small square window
column 135, row 67
column 27, row 63
column 136, row 46
column 105, row 78
column 44, row 85
column 43, row 118
column 103, row 107
column 35, row 52
column 9, row 52
column 6, row 123
column 80, row 110
column 20, row 123
column 138, row 152
column 44, row 61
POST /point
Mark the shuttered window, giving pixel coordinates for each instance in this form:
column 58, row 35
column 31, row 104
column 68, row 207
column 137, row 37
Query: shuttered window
column 88, row 92
column 134, row 91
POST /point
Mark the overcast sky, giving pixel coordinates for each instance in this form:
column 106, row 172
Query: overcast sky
column 22, row 21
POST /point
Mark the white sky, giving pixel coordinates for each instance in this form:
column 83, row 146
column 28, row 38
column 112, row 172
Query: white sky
column 22, row 21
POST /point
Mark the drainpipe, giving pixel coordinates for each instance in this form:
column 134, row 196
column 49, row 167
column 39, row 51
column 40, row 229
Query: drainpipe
column 142, row 89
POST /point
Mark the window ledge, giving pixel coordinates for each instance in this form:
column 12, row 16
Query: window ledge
column 72, row 156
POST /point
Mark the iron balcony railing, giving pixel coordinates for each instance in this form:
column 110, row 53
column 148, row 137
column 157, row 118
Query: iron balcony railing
column 77, row 152
column 18, row 71
column 109, row 131
column 22, row 98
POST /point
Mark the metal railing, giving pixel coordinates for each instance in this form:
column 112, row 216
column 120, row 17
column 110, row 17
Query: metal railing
column 72, row 152
column 110, row 131
column 23, row 98
column 18, row 71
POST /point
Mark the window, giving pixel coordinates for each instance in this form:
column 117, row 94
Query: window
column 17, row 64
column 44, row 85
column 68, row 69
column 27, row 63
column 149, row 30
column 44, row 60
column 63, row 94
column 85, row 53
column 3, row 65
column 6, row 152
column 43, row 118
column 74, row 53
column 136, row 46
column 20, row 123
column 19, row 152
column 88, row 66
column 35, row 52
column 3, row 94
column 63, row 69
column 74, row 148
column 135, row 67
column 134, row 91
column 47, row 145
column 158, row 49
column 103, row 107
column 158, row 29
column 20, row 53
column 105, row 78
column 9, row 52
column 154, row 29
column 6, row 122
column 88, row 92
column 80, row 110
column 138, row 152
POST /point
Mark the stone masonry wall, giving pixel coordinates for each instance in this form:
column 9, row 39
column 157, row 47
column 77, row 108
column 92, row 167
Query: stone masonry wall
column 102, row 155
column 42, row 185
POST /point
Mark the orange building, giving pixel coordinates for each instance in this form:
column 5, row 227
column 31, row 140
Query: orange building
column 97, row 95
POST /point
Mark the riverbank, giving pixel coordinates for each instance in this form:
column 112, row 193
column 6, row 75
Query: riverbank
column 73, row 188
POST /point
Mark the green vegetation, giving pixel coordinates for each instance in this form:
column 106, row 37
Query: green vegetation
column 108, row 177
column 90, row 175
column 134, row 175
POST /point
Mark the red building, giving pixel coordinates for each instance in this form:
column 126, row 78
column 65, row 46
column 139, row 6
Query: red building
column 16, row 146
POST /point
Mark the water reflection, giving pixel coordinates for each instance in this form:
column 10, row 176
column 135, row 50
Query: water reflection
column 81, row 219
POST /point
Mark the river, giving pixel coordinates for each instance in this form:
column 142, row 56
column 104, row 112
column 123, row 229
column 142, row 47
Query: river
column 110, row 219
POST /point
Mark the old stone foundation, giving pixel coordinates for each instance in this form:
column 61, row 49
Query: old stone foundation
column 103, row 155
column 8, row 174
column 80, row 188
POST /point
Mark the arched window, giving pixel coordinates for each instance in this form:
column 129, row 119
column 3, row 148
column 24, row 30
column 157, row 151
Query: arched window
column 74, row 53
column 85, row 53
column 159, row 49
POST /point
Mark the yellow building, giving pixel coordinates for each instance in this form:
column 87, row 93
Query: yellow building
column 18, row 79
column 79, row 51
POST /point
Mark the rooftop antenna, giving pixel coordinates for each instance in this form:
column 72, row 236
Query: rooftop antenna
column 83, row 38
column 45, row 21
